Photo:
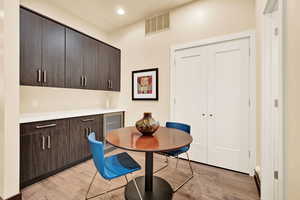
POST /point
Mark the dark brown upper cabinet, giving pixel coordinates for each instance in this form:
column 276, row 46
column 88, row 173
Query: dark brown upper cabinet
column 42, row 52
column 103, row 66
column 81, row 61
column 74, row 59
column 54, row 55
column 109, row 68
column 90, row 63
column 114, row 69
column 30, row 48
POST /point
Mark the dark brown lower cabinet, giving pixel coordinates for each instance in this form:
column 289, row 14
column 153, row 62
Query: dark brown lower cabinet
column 34, row 160
column 43, row 148
column 52, row 146
column 58, row 142
column 80, row 127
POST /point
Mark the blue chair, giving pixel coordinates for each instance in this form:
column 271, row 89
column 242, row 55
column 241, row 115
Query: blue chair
column 111, row 167
column 186, row 128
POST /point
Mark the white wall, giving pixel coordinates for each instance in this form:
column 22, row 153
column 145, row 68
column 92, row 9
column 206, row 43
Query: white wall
column 1, row 99
column 192, row 22
column 292, row 95
column 38, row 99
column 9, row 100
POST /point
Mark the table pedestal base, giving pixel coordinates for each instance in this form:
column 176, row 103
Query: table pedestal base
column 161, row 189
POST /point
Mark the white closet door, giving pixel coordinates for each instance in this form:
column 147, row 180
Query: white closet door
column 191, row 97
column 228, row 105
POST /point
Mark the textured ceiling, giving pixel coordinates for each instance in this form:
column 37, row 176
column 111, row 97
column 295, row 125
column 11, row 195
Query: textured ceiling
column 102, row 13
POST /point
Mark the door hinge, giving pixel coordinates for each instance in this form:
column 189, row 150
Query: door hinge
column 276, row 103
column 276, row 175
column 276, row 31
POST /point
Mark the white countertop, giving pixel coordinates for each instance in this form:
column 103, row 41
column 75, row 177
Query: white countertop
column 37, row 117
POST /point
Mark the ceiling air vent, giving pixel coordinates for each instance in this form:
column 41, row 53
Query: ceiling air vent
column 157, row 23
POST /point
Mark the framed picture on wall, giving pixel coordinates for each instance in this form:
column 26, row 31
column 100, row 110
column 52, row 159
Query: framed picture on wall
column 145, row 84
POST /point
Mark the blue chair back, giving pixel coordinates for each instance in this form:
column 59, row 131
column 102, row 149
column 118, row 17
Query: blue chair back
column 97, row 151
column 180, row 126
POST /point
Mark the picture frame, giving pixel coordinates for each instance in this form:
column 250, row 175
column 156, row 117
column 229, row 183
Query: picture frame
column 145, row 85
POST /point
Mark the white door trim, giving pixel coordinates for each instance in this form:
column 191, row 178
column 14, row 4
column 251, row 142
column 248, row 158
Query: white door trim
column 271, row 6
column 252, row 99
column 267, row 161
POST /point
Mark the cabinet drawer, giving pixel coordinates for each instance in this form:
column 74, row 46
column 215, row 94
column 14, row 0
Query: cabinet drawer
column 31, row 128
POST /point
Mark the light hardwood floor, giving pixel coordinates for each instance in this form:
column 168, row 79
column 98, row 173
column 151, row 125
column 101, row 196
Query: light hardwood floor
column 209, row 183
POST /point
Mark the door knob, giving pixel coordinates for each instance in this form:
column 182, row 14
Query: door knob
column 210, row 115
column 203, row 114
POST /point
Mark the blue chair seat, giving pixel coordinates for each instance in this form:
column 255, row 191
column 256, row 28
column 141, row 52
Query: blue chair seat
column 176, row 152
column 110, row 167
column 120, row 165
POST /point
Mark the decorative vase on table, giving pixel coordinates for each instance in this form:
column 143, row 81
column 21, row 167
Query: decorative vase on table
column 147, row 125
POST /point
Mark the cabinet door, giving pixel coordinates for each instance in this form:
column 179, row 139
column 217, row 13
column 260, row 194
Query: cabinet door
column 95, row 126
column 58, row 145
column 103, row 66
column 74, row 59
column 30, row 48
column 90, row 63
column 114, row 69
column 53, row 52
column 79, row 129
column 33, row 152
column 91, row 124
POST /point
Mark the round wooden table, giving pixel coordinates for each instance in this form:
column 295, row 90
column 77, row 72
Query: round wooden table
column 164, row 139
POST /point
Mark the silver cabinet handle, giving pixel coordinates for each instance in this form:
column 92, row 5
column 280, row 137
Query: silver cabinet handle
column 111, row 84
column 108, row 84
column 88, row 120
column 39, row 75
column 45, row 76
column 81, row 80
column 45, row 126
column 49, row 142
column 86, row 130
column 85, row 81
column 43, row 142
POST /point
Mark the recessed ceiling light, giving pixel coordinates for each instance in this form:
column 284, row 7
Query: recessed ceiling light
column 120, row 11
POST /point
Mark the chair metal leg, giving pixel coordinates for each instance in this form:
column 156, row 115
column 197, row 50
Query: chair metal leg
column 126, row 179
column 90, row 185
column 137, row 188
column 177, row 159
column 166, row 161
column 97, row 195
column 189, row 178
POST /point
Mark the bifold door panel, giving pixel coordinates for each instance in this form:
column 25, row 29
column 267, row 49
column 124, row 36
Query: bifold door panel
column 212, row 94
